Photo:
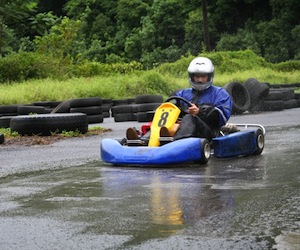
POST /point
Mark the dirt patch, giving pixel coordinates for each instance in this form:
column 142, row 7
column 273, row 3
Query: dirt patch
column 45, row 140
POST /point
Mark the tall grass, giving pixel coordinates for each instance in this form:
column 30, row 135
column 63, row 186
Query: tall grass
column 230, row 66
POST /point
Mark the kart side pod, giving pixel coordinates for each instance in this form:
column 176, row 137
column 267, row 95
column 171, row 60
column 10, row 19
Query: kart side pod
column 246, row 142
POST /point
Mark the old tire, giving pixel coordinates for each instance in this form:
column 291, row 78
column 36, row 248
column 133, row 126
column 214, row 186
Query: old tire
column 257, row 91
column 28, row 109
column 91, row 110
column 148, row 99
column 5, row 121
column 49, row 123
column 239, row 95
column 1, row 138
column 85, row 102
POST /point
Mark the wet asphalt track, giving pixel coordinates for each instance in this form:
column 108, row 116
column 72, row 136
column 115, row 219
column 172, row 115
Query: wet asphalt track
column 61, row 196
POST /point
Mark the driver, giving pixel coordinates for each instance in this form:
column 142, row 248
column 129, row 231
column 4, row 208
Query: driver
column 210, row 105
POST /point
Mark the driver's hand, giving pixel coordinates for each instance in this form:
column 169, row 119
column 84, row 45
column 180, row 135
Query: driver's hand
column 193, row 110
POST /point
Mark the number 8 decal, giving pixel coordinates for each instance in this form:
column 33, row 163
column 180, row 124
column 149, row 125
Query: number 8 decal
column 163, row 119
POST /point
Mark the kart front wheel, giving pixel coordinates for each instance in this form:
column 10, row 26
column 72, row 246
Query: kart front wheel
column 260, row 142
column 205, row 152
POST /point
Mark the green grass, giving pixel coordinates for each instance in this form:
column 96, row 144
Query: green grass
column 230, row 66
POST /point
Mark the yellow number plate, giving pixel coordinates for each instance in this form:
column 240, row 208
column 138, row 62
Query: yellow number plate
column 165, row 115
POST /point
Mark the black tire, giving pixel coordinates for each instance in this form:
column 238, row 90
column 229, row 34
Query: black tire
column 46, row 124
column 1, row 138
column 8, row 109
column 274, row 95
column 257, row 91
column 240, row 97
column 107, row 101
column 119, row 109
column 119, row 102
column 8, row 114
column 26, row 110
column 5, row 121
column 85, row 102
column 106, row 107
column 144, row 107
column 95, row 118
column 106, row 114
column 260, row 142
column 205, row 152
column 92, row 110
column 148, row 99
column 272, row 105
column 124, row 117
column 290, row 104
column 287, row 93
column 144, row 117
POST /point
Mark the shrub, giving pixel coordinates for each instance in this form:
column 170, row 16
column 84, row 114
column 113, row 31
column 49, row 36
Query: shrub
column 287, row 66
column 28, row 65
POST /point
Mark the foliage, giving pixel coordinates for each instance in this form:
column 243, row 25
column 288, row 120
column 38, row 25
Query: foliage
column 106, row 82
column 148, row 31
column 24, row 66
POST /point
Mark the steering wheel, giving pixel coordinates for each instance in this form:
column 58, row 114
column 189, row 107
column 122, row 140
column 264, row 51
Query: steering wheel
column 179, row 103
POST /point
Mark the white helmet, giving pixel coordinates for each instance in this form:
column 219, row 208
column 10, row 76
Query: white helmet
column 201, row 65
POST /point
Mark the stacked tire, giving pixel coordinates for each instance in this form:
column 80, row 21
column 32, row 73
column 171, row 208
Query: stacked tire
column 106, row 107
column 6, row 113
column 46, row 124
column 257, row 91
column 48, row 105
column 124, row 110
column 141, row 108
column 240, row 97
column 147, row 104
column 279, row 99
column 91, row 106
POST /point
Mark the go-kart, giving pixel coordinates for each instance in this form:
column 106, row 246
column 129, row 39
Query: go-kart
column 234, row 140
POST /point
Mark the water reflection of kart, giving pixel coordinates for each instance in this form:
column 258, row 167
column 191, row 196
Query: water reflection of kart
column 234, row 140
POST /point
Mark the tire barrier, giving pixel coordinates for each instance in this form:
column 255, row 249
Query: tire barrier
column 48, row 105
column 106, row 106
column 30, row 109
column 239, row 95
column 257, row 91
column 122, row 113
column 1, row 138
column 146, row 111
column 8, row 110
column 148, row 99
column 5, row 121
column 45, row 124
column 63, row 107
column 147, row 104
column 140, row 108
column 91, row 106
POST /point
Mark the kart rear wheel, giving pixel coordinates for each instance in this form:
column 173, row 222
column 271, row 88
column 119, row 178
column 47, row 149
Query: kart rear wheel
column 205, row 152
column 260, row 142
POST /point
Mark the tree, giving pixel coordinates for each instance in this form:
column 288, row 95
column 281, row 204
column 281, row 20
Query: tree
column 205, row 26
column 14, row 17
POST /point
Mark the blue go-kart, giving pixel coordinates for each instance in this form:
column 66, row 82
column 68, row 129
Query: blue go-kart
column 234, row 140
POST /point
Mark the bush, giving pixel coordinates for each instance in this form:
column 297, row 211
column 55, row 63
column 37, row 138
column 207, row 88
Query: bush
column 229, row 61
column 287, row 66
column 28, row 65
